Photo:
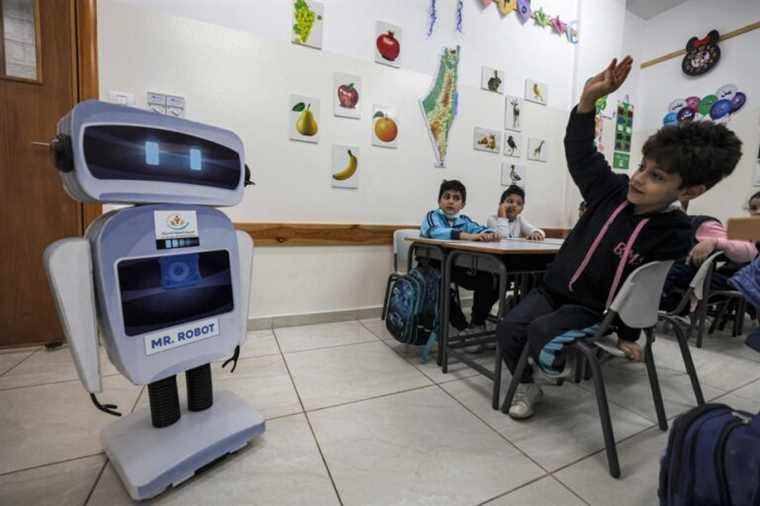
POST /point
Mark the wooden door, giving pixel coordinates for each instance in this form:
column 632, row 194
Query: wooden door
column 34, row 209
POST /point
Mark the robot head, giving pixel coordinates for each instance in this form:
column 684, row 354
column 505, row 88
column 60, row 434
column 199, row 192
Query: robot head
column 116, row 154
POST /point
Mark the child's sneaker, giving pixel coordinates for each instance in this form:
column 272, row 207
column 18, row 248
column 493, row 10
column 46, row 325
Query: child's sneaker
column 524, row 402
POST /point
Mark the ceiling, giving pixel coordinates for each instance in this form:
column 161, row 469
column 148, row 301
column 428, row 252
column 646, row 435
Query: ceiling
column 647, row 9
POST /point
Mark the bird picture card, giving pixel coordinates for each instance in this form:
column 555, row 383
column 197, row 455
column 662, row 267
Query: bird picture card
column 513, row 173
column 513, row 144
column 536, row 92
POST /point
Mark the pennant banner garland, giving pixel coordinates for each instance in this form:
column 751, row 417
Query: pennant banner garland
column 539, row 17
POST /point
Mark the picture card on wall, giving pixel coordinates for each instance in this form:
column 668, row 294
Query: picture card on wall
column 385, row 130
column 513, row 144
column 345, row 167
column 304, row 118
column 484, row 139
column 536, row 92
column 492, row 79
column 387, row 44
column 512, row 107
column 538, row 149
column 307, row 23
column 347, row 95
column 513, row 173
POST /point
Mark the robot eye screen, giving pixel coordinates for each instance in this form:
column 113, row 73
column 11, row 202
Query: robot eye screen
column 139, row 153
column 164, row 291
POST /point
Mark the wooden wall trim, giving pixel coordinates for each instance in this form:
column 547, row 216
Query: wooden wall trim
column 334, row 234
column 86, row 16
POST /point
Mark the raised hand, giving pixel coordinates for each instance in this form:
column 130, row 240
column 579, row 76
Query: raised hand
column 604, row 83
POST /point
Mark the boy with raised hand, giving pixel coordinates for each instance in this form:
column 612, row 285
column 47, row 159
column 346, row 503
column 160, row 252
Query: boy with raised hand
column 628, row 222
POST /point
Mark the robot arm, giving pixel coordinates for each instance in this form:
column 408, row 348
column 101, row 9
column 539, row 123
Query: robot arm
column 68, row 264
column 245, row 255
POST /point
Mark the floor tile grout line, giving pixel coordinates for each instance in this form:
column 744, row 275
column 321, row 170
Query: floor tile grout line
column 502, row 436
column 95, row 484
column 21, row 362
column 515, row 489
column 603, row 449
column 64, row 461
column 531, row 482
column 372, row 398
column 308, row 421
column 330, row 347
column 52, row 383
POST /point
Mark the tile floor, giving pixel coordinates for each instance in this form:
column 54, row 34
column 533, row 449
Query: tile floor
column 353, row 418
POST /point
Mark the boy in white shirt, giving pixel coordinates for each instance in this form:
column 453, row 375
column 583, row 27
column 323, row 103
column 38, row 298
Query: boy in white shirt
column 508, row 223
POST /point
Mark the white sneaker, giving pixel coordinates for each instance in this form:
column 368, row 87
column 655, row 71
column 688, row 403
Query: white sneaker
column 524, row 402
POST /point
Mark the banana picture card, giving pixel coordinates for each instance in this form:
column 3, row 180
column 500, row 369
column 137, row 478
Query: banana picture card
column 536, row 92
column 304, row 118
column 345, row 166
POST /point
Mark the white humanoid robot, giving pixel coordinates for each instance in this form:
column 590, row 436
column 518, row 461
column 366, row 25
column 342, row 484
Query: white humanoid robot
column 167, row 282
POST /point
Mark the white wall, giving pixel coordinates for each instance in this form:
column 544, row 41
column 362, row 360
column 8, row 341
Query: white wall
column 487, row 38
column 240, row 78
column 658, row 85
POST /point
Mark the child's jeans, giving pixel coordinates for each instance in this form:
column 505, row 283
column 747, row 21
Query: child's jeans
column 545, row 324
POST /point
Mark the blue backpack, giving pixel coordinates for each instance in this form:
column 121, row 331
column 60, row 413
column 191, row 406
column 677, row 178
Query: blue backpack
column 412, row 316
column 713, row 458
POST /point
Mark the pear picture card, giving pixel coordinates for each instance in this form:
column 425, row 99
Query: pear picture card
column 536, row 92
column 304, row 118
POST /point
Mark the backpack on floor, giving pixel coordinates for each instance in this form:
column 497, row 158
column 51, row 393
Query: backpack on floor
column 713, row 458
column 412, row 316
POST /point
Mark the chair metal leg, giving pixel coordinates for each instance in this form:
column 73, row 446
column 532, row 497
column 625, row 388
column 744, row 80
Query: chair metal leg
column 654, row 382
column 496, row 378
column 516, row 377
column 689, row 363
column 580, row 368
column 604, row 410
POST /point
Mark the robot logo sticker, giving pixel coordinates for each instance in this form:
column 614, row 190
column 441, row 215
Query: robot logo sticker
column 179, row 336
column 175, row 224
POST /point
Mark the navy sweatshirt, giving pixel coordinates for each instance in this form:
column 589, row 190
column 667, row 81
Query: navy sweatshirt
column 666, row 235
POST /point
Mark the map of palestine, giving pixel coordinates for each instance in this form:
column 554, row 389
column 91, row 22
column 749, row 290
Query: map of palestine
column 439, row 106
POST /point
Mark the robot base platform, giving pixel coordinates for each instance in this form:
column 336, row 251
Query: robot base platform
column 148, row 460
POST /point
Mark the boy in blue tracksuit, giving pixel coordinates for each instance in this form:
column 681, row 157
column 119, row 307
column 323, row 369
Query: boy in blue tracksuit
column 446, row 223
column 629, row 221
